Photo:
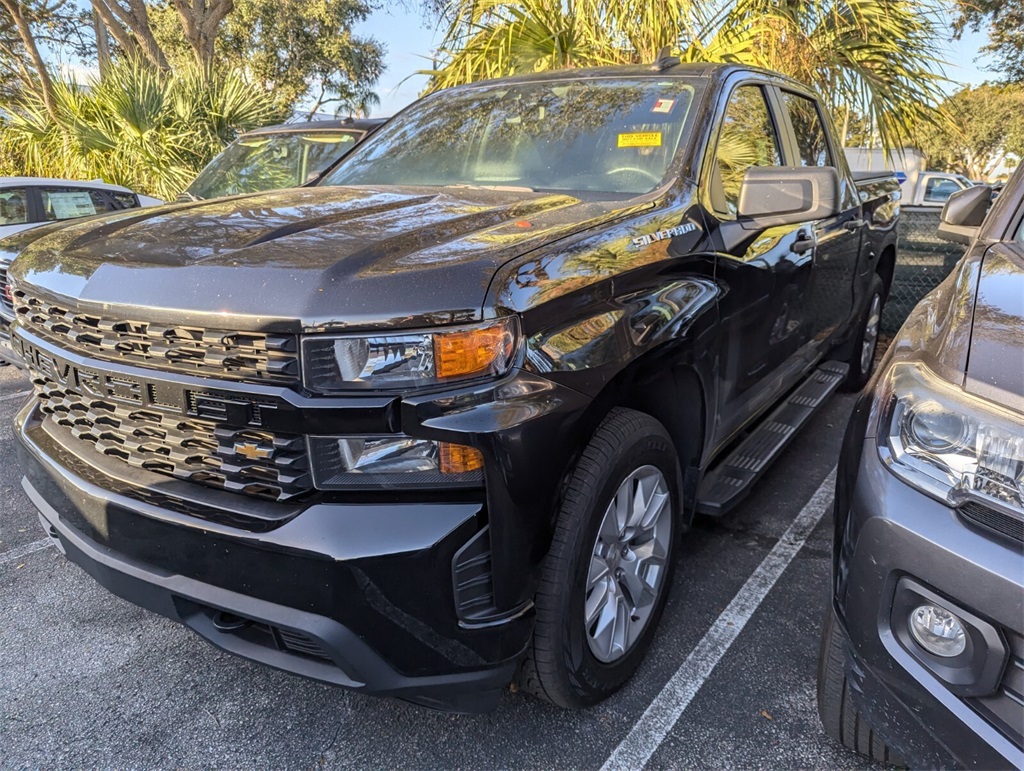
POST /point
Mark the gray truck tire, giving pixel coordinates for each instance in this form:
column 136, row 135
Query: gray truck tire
column 839, row 715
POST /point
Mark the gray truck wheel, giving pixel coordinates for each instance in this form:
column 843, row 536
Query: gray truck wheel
column 605, row 580
column 839, row 715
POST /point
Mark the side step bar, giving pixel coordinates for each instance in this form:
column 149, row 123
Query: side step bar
column 729, row 482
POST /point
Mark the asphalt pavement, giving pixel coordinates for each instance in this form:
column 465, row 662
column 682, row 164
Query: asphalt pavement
column 89, row 680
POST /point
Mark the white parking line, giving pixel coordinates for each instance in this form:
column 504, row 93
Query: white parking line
column 660, row 717
column 24, row 551
column 18, row 395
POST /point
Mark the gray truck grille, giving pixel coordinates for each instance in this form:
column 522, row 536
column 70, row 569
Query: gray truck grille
column 253, row 462
column 251, row 356
column 986, row 516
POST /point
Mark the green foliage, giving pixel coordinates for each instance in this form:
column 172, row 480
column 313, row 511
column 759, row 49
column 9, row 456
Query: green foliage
column 61, row 24
column 301, row 51
column 153, row 117
column 876, row 57
column 1004, row 20
column 150, row 131
column 165, row 23
column 981, row 131
column 294, row 47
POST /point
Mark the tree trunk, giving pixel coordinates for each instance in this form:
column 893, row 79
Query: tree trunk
column 102, row 42
column 139, row 37
column 13, row 7
column 199, row 20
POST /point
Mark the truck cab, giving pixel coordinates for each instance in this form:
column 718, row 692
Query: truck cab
column 933, row 188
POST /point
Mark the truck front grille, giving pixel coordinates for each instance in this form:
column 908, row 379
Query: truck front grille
column 1006, row 524
column 6, row 301
column 253, row 462
column 250, row 356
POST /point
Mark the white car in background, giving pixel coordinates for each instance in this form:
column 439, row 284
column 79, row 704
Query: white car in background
column 27, row 202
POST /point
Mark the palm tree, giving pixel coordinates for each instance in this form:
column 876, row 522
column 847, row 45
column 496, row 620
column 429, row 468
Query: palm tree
column 139, row 127
column 876, row 58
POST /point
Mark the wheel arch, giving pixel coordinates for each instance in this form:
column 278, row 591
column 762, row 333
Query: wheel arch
column 885, row 268
column 672, row 393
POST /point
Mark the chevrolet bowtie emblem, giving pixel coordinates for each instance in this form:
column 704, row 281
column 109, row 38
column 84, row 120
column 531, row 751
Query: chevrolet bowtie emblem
column 253, row 451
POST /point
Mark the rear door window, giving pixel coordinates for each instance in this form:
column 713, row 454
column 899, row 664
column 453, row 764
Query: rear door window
column 63, row 203
column 13, row 206
column 747, row 138
column 809, row 130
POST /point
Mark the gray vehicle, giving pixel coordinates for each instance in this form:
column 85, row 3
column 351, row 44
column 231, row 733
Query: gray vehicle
column 276, row 157
column 922, row 656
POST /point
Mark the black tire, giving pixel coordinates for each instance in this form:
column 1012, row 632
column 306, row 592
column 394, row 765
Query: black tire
column 559, row 666
column 859, row 375
column 838, row 713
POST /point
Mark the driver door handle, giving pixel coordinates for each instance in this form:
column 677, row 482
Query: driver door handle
column 802, row 244
column 856, row 224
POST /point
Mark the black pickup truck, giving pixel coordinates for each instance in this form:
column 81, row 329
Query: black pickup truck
column 441, row 420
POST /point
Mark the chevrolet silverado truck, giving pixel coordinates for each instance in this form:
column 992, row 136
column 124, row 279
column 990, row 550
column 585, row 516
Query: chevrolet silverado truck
column 440, row 421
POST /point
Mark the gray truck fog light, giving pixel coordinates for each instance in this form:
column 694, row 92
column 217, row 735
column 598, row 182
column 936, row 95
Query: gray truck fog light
column 938, row 631
column 396, row 460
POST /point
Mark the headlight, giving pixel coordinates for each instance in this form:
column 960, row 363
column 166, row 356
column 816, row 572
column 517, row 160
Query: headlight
column 346, row 462
column 948, row 443
column 336, row 363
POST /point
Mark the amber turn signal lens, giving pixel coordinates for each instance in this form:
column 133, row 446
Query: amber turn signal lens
column 472, row 351
column 459, row 459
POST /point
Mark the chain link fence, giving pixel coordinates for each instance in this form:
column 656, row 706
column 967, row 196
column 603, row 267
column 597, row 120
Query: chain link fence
column 923, row 260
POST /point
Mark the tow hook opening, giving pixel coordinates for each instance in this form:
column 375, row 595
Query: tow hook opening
column 229, row 622
column 51, row 531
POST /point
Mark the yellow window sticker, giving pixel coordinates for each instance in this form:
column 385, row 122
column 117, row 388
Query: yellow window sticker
column 640, row 139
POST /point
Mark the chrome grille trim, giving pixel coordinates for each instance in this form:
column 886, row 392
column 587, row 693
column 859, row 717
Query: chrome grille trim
column 251, row 356
column 276, row 466
column 6, row 303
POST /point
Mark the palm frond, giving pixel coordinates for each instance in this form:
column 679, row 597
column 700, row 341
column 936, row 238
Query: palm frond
column 148, row 130
column 880, row 58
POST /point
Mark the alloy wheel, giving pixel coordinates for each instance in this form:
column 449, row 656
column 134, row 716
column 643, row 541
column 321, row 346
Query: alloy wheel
column 627, row 564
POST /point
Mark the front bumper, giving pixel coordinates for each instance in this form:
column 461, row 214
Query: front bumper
column 348, row 594
column 423, row 595
column 889, row 538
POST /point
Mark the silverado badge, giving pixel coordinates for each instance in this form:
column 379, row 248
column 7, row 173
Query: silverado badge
column 661, row 235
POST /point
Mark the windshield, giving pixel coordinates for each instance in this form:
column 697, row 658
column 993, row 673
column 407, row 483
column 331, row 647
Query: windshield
column 602, row 136
column 271, row 161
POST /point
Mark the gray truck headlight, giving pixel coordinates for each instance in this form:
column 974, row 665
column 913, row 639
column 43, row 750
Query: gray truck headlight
column 346, row 462
column 338, row 363
column 948, row 443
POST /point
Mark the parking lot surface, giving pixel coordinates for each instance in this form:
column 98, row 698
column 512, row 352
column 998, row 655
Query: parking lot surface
column 90, row 680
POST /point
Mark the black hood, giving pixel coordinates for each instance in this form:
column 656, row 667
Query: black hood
column 309, row 257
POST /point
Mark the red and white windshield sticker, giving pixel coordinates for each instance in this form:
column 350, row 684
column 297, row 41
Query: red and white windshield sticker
column 664, row 105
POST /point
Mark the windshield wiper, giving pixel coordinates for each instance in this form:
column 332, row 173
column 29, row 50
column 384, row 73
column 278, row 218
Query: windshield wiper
column 502, row 188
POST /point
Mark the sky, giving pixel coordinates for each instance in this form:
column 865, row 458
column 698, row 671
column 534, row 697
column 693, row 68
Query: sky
column 410, row 41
